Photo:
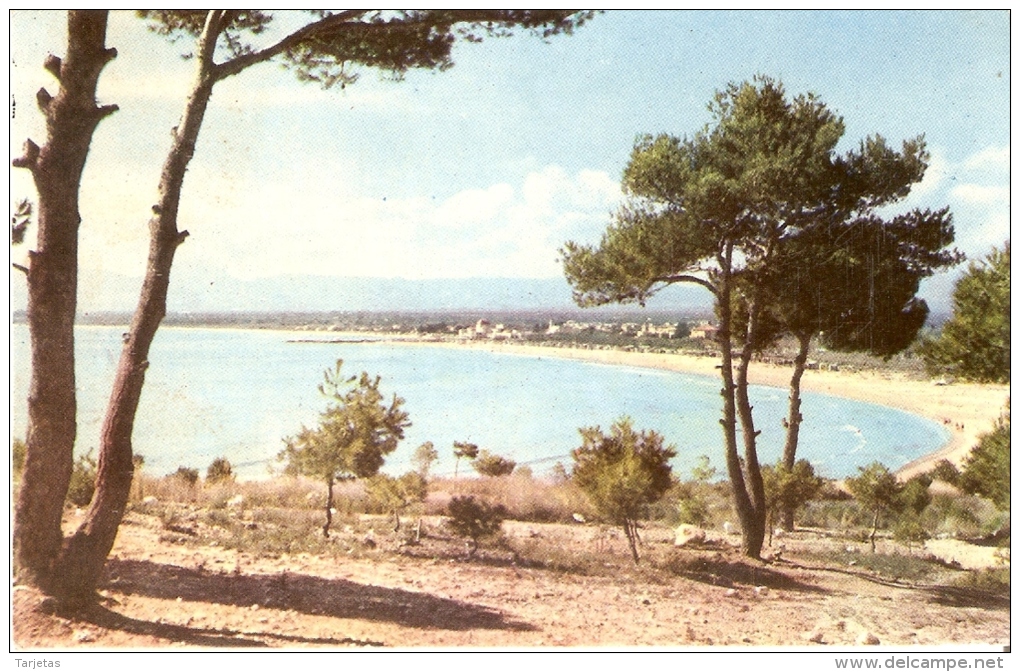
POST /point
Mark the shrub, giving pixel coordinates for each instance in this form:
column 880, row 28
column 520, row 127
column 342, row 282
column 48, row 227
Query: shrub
column 387, row 494
column 914, row 495
column 787, row 490
column 909, row 529
column 187, row 475
column 693, row 511
column 474, row 519
column 623, row 473
column 877, row 491
column 986, row 471
column 220, row 470
column 83, row 481
column 945, row 471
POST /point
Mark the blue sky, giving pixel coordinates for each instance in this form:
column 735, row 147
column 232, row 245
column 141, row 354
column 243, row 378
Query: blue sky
column 486, row 169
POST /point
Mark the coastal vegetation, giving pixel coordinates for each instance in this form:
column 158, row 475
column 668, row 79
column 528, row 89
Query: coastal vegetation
column 623, row 473
column 756, row 210
column 783, row 232
column 974, row 343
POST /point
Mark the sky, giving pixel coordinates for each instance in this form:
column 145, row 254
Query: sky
column 486, row 169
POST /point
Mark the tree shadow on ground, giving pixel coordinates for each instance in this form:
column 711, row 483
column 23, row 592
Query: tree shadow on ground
column 719, row 571
column 953, row 596
column 338, row 598
column 206, row 637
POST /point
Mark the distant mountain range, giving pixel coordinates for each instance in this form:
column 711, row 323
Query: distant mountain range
column 317, row 293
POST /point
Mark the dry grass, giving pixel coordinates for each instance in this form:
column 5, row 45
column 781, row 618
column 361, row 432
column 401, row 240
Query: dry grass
column 527, row 499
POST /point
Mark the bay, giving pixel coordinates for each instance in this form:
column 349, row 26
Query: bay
column 237, row 394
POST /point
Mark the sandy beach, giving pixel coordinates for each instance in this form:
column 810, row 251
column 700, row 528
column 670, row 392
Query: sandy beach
column 966, row 410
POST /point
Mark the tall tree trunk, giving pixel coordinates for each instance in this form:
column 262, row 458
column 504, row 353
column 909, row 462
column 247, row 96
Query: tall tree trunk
column 741, row 500
column 754, row 533
column 85, row 552
column 794, row 418
column 71, row 119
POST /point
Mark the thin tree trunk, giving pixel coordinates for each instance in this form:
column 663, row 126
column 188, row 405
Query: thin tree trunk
column 71, row 119
column 794, row 418
column 630, row 528
column 85, row 552
column 874, row 530
column 329, row 508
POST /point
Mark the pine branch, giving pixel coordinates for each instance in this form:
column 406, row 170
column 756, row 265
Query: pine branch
column 688, row 278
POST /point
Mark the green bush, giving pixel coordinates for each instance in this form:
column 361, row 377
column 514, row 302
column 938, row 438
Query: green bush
column 986, row 470
column 474, row 519
column 693, row 511
column 83, row 481
column 624, row 473
column 488, row 464
column 187, row 475
column 220, row 470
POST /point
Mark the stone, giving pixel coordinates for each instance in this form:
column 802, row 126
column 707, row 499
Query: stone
column 868, row 639
column 688, row 534
column 816, row 636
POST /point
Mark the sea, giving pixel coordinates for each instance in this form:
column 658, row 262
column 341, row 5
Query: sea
column 239, row 394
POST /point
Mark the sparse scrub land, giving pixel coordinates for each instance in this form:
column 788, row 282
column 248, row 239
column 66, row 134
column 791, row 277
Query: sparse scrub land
column 233, row 544
column 757, row 208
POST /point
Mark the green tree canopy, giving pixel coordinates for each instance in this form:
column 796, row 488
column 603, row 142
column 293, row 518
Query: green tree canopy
column 463, row 449
column 876, row 489
column 488, row 464
column 986, row 470
column 355, row 433
column 789, row 489
column 974, row 343
column 424, row 456
column 623, row 472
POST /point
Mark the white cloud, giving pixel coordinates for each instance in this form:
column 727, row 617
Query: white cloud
column 995, row 158
column 290, row 226
column 976, row 189
column 980, row 194
column 473, row 205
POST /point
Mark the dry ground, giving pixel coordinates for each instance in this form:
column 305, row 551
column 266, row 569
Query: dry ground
column 165, row 591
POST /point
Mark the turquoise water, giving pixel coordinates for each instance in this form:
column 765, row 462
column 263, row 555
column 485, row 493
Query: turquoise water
column 232, row 393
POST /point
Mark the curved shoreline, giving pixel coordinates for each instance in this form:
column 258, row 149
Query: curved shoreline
column 967, row 410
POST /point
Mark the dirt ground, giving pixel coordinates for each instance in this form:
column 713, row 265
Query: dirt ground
column 163, row 594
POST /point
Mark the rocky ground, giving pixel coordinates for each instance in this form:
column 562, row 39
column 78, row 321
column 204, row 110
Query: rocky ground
column 163, row 591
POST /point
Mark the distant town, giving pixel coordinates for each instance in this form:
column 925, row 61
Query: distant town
column 633, row 330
